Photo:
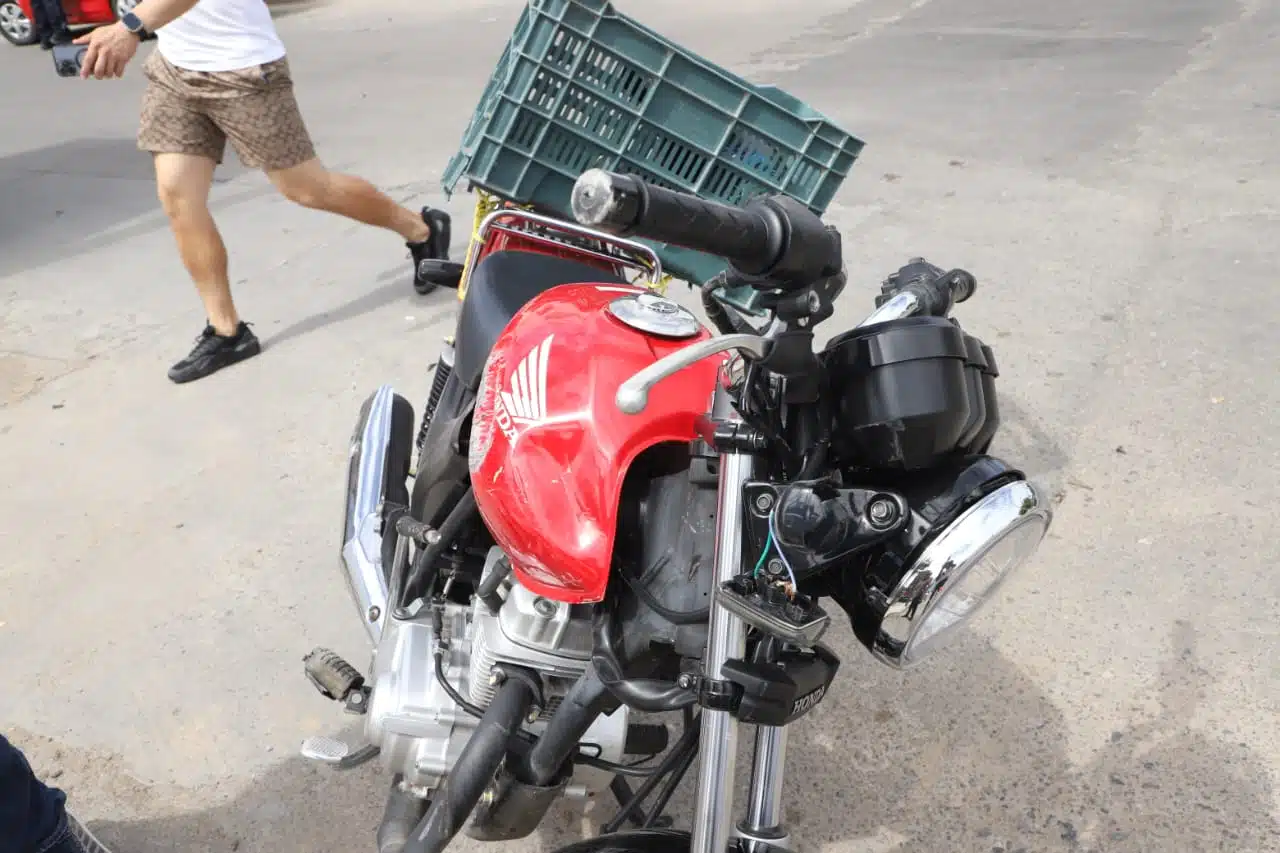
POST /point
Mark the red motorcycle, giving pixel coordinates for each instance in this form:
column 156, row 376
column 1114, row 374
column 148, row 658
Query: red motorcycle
column 613, row 510
column 16, row 16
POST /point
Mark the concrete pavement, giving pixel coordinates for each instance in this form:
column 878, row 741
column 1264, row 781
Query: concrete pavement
column 1106, row 169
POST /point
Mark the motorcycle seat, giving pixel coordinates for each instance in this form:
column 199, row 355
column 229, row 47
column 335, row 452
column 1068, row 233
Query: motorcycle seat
column 500, row 286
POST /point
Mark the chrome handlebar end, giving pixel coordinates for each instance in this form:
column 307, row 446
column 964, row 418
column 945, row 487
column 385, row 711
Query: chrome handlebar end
column 904, row 304
column 633, row 395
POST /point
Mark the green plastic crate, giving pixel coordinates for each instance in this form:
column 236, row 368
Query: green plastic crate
column 581, row 86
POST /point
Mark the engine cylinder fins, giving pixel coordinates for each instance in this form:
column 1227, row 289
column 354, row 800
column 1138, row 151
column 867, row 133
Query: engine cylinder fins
column 525, row 630
column 481, row 687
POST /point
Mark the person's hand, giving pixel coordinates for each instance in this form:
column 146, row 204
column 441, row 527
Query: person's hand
column 110, row 49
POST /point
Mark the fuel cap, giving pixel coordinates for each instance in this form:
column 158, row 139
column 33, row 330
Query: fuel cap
column 655, row 315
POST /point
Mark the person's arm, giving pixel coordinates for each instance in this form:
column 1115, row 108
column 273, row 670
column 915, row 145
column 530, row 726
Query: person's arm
column 111, row 47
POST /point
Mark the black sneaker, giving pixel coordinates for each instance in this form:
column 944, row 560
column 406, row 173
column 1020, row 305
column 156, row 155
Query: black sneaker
column 214, row 352
column 431, row 266
column 83, row 839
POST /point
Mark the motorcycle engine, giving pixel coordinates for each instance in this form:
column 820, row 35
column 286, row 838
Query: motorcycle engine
column 421, row 730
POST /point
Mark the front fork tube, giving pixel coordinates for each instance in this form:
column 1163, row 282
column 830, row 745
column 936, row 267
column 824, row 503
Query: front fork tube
column 726, row 639
column 763, row 825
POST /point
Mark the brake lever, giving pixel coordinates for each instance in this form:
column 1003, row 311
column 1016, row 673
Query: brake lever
column 633, row 394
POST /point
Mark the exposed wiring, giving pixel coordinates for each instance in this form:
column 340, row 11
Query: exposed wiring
column 772, row 543
column 777, row 544
column 613, row 767
column 451, row 690
column 764, row 554
column 676, row 761
column 641, row 760
column 675, row 617
column 753, row 406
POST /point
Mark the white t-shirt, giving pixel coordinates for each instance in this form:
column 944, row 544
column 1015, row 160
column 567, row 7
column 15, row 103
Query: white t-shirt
column 221, row 35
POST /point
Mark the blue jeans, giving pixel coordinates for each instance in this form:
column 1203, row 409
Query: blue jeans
column 49, row 17
column 33, row 817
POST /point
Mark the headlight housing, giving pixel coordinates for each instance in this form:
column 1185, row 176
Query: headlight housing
column 970, row 529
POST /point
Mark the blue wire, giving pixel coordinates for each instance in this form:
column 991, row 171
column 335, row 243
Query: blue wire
column 786, row 564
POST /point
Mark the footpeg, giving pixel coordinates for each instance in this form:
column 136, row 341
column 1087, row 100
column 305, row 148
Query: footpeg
column 336, row 679
column 336, row 753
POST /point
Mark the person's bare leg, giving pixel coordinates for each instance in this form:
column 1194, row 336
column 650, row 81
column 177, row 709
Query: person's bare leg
column 183, row 182
column 311, row 185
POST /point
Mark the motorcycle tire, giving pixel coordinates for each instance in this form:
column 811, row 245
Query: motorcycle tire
column 648, row 841
column 634, row 841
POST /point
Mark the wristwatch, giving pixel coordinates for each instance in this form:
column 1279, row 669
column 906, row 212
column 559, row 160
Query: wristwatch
column 134, row 24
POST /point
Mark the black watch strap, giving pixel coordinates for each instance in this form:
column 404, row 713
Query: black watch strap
column 134, row 24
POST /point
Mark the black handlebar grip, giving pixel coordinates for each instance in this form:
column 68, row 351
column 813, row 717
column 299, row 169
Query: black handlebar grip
column 752, row 238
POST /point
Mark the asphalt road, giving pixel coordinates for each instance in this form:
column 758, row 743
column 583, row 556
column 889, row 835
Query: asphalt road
column 1107, row 169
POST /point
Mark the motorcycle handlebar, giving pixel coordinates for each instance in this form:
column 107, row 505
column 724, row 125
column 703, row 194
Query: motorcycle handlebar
column 774, row 239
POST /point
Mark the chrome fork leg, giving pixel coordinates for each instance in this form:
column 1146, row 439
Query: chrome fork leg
column 764, row 811
column 727, row 636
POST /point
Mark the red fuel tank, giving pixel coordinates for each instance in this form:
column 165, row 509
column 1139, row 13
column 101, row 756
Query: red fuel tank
column 550, row 449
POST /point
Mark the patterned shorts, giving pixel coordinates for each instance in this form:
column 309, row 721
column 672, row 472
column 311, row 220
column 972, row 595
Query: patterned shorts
column 196, row 112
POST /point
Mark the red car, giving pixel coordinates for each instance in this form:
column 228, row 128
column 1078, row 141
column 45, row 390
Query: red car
column 16, row 18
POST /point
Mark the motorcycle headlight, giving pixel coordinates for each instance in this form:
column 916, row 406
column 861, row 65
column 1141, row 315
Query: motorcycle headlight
column 965, row 539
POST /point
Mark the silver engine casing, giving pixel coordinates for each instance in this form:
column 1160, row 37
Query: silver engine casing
column 420, row 729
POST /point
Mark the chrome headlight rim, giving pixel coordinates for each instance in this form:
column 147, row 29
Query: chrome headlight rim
column 947, row 558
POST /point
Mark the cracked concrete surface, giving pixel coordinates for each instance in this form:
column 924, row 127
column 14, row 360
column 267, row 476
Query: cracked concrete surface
column 1107, row 170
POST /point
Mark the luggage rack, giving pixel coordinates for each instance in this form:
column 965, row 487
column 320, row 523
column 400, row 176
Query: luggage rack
column 524, row 225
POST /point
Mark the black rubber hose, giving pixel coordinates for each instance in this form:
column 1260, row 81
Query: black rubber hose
column 401, row 815
column 454, row 801
column 563, row 735
column 487, row 591
column 643, row 694
column 581, row 706
column 716, row 312
column 420, row 578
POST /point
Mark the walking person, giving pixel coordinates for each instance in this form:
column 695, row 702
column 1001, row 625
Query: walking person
column 220, row 73
column 33, row 816
column 50, row 22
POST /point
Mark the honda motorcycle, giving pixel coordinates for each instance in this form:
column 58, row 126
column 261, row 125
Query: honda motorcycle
column 614, row 511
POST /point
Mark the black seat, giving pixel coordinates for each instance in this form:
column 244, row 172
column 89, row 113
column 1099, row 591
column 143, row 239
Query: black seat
column 500, row 286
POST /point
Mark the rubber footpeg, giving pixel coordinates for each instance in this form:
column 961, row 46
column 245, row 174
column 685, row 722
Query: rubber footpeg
column 333, row 677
